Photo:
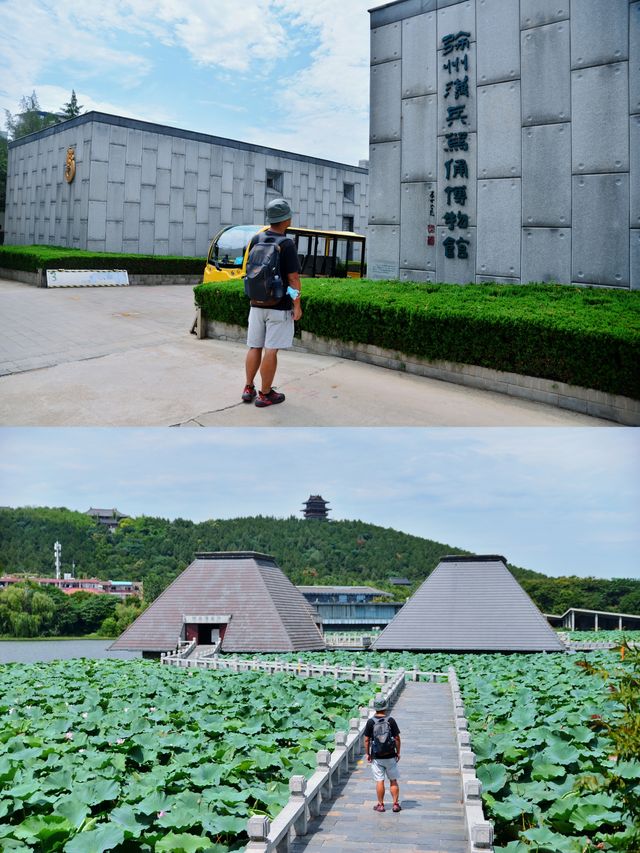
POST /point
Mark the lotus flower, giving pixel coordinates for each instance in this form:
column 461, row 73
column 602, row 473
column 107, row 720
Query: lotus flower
column 69, row 735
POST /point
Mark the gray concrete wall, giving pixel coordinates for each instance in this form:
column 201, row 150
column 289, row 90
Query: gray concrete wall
column 143, row 188
column 551, row 175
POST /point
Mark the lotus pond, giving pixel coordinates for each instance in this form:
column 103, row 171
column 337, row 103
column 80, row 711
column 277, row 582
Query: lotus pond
column 533, row 720
column 132, row 756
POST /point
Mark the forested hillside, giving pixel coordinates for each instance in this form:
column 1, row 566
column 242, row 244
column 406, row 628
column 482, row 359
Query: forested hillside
column 155, row 550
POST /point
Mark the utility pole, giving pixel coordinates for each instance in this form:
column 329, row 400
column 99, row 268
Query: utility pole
column 57, row 548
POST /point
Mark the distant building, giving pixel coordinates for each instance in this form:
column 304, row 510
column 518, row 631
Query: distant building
column 400, row 582
column 470, row 603
column 351, row 608
column 110, row 518
column 69, row 585
column 316, row 507
column 239, row 598
column 578, row 619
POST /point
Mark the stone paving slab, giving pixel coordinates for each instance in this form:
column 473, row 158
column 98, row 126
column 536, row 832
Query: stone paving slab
column 124, row 357
column 432, row 816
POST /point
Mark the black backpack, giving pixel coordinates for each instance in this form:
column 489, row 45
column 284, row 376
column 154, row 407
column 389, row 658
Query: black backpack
column 383, row 744
column 263, row 283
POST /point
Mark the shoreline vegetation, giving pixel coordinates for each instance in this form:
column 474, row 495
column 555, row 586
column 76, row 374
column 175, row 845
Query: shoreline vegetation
column 155, row 551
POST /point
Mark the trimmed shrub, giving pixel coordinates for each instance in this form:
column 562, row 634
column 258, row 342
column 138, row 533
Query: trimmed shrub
column 580, row 336
column 33, row 258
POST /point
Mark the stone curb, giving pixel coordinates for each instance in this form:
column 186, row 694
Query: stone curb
column 479, row 830
column 38, row 279
column 585, row 401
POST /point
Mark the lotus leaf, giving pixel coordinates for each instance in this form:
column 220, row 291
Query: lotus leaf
column 492, row 776
column 104, row 837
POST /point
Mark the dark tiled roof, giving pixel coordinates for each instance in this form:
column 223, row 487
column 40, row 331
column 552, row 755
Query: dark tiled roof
column 470, row 604
column 268, row 614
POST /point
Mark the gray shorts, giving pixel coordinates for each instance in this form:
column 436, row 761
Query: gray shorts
column 380, row 766
column 270, row 328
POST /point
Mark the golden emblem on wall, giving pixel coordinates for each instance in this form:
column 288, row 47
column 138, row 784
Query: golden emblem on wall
column 70, row 165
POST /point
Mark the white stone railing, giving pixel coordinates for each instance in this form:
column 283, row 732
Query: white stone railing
column 479, row 830
column 349, row 639
column 302, row 668
column 183, row 650
column 266, row 836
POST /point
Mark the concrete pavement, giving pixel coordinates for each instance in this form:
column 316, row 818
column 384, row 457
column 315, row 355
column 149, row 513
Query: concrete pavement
column 124, row 357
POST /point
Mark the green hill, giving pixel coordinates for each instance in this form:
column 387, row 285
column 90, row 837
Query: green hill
column 155, row 550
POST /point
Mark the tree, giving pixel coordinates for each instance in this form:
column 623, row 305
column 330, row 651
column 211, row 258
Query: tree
column 30, row 119
column 71, row 109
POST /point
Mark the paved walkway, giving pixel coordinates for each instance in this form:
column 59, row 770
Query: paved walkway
column 123, row 356
column 432, row 819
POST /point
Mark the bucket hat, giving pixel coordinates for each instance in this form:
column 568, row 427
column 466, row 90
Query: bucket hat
column 278, row 210
column 380, row 704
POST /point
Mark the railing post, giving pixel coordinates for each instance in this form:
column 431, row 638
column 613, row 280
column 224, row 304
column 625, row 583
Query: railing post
column 323, row 761
column 258, row 831
column 298, row 788
column 340, row 751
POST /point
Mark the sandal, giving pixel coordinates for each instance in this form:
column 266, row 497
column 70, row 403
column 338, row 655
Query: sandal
column 397, row 807
column 378, row 807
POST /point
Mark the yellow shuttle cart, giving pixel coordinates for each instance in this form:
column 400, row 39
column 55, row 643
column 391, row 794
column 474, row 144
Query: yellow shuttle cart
column 326, row 254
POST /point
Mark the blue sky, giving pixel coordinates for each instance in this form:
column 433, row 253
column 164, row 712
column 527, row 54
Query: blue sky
column 560, row 501
column 292, row 74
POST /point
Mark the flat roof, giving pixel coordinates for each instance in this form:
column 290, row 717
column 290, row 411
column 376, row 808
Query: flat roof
column 166, row 130
column 390, row 13
column 354, row 590
column 598, row 612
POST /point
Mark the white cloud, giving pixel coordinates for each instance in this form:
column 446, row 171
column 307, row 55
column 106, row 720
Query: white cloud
column 322, row 112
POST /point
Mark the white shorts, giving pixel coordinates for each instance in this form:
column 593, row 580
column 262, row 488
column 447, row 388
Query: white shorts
column 270, row 328
column 385, row 766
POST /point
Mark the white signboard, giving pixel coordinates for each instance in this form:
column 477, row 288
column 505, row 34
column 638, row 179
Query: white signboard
column 87, row 278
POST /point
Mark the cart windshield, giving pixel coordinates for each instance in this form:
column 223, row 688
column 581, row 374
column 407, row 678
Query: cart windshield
column 227, row 250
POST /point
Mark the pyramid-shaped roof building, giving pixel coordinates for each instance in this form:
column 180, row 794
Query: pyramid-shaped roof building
column 470, row 604
column 243, row 597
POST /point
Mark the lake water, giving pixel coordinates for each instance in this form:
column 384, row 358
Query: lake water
column 19, row 651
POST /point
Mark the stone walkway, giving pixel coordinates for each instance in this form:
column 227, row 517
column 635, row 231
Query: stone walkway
column 432, row 818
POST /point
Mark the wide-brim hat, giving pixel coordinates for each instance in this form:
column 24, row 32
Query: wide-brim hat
column 278, row 210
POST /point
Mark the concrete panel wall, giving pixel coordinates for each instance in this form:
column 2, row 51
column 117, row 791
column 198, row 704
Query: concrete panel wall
column 546, row 74
column 499, row 134
column 545, row 168
column 546, row 181
column 386, row 108
column 498, row 23
column 419, row 138
column 141, row 188
column 601, row 230
column 419, row 58
column 600, row 125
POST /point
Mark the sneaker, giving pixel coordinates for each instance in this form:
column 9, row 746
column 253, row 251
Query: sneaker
column 270, row 399
column 378, row 808
column 249, row 394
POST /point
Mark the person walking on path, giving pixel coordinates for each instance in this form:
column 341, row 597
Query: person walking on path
column 271, row 328
column 382, row 746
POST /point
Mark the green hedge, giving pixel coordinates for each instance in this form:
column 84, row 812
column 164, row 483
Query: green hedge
column 581, row 336
column 33, row 258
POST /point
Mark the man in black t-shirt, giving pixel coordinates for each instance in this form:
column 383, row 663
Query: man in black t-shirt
column 382, row 746
column 272, row 328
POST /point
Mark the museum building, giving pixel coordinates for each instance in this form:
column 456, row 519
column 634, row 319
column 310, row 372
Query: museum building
column 106, row 183
column 505, row 141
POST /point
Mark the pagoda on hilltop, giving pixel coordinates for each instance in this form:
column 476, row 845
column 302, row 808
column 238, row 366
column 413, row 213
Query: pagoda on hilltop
column 316, row 507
